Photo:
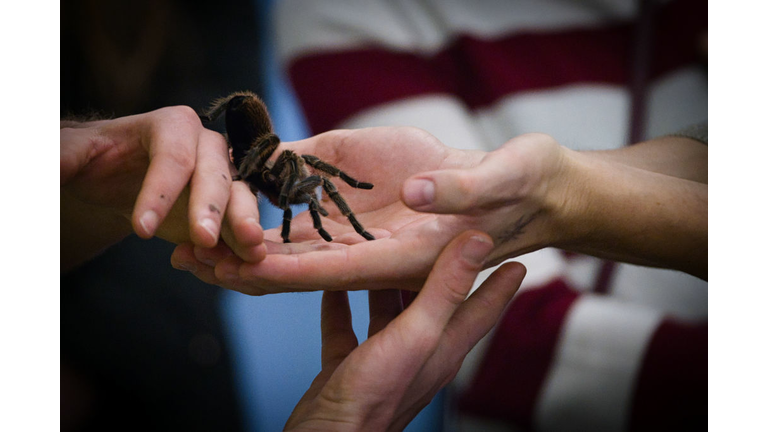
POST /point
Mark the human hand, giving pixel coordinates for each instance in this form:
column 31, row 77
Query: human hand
column 159, row 173
column 409, row 356
column 509, row 193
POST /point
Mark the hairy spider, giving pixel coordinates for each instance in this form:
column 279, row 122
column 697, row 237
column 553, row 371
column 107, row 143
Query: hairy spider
column 287, row 180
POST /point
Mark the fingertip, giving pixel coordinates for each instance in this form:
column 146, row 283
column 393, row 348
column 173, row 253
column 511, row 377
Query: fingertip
column 507, row 278
column 448, row 191
column 211, row 256
column 255, row 254
column 475, row 248
column 514, row 270
column 418, row 193
column 146, row 223
column 206, row 233
column 248, row 232
column 183, row 258
column 228, row 270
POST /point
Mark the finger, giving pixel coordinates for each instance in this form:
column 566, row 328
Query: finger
column 482, row 310
column 462, row 191
column 172, row 154
column 228, row 272
column 449, row 282
column 383, row 307
column 183, row 258
column 367, row 265
column 364, row 266
column 210, row 188
column 214, row 255
column 242, row 231
column 278, row 247
column 336, row 325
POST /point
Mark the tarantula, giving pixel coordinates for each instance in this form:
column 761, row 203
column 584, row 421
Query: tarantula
column 287, row 180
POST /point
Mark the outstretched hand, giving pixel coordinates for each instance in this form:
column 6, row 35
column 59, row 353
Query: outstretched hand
column 409, row 356
column 467, row 193
column 159, row 173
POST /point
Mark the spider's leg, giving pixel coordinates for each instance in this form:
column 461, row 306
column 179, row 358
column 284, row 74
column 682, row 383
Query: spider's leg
column 334, row 195
column 290, row 162
column 308, row 186
column 281, row 162
column 306, row 192
column 217, row 108
column 316, row 222
column 286, row 160
column 286, row 231
column 256, row 156
column 318, row 164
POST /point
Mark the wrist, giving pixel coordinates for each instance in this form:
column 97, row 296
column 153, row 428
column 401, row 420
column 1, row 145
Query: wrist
column 535, row 176
column 567, row 199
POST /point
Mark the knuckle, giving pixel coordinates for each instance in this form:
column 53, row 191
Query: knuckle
column 466, row 190
column 183, row 114
column 539, row 137
column 452, row 291
column 216, row 138
column 185, row 160
column 465, row 184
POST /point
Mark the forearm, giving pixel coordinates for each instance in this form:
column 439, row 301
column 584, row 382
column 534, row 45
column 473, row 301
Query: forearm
column 626, row 213
column 674, row 156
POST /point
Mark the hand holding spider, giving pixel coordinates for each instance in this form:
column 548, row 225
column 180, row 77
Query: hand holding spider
column 158, row 173
column 408, row 241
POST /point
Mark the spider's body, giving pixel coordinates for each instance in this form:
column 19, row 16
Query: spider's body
column 288, row 179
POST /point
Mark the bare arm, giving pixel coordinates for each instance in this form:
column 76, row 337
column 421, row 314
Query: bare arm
column 645, row 205
column 674, row 156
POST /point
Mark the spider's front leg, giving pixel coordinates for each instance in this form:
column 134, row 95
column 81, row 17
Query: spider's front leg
column 337, row 199
column 320, row 165
column 287, row 170
column 307, row 188
column 253, row 159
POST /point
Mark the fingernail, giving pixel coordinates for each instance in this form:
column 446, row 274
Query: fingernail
column 476, row 249
column 252, row 222
column 148, row 221
column 210, row 226
column 419, row 192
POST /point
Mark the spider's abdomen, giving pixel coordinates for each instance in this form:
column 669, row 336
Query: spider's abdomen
column 247, row 120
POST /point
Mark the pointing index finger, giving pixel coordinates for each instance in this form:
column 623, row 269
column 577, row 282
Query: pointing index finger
column 172, row 157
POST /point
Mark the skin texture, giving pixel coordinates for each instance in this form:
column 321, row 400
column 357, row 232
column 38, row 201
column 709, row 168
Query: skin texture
column 159, row 173
column 440, row 215
column 529, row 194
column 409, row 356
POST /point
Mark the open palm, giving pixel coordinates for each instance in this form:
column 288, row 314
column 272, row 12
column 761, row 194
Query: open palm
column 407, row 241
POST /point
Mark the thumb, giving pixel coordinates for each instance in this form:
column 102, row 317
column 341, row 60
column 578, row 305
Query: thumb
column 461, row 191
